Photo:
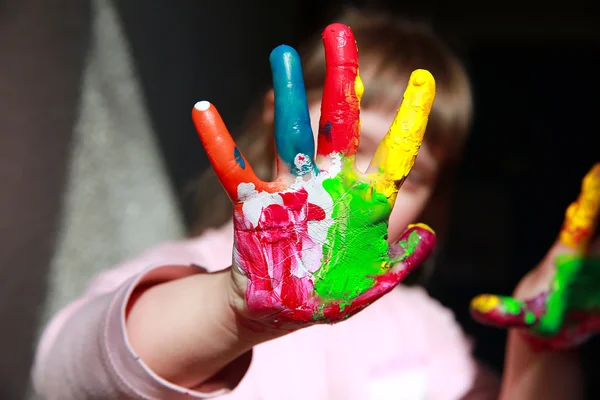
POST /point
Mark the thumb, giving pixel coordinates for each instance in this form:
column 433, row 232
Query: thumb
column 414, row 247
column 502, row 311
column 581, row 216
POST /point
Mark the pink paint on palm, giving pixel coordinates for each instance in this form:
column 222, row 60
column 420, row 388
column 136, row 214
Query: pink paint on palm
column 280, row 272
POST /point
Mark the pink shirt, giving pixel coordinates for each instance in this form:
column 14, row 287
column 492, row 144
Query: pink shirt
column 404, row 346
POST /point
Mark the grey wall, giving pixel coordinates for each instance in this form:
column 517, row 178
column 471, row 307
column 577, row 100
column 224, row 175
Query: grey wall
column 42, row 47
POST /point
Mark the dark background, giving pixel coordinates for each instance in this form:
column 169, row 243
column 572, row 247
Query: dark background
column 534, row 137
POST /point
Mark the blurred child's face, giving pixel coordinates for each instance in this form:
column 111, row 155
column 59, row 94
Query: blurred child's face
column 418, row 186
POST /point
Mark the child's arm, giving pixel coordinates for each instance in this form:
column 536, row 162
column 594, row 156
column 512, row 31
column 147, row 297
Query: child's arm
column 86, row 352
column 186, row 330
column 554, row 310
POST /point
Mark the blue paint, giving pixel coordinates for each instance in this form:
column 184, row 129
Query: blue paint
column 293, row 134
column 326, row 130
column 238, row 158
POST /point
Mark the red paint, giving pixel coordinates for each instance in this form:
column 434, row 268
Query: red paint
column 384, row 284
column 579, row 326
column 315, row 212
column 340, row 114
column 499, row 318
column 580, row 234
column 278, row 241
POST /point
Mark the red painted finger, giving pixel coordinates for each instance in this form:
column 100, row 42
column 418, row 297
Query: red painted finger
column 234, row 172
column 340, row 114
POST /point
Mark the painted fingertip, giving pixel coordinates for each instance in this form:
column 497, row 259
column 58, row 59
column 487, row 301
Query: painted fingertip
column 202, row 105
column 340, row 46
column 484, row 303
column 288, row 81
column 283, row 53
column 591, row 181
column 422, row 77
column 421, row 226
column 420, row 91
column 581, row 216
column 204, row 113
column 338, row 31
column 415, row 246
column 422, row 234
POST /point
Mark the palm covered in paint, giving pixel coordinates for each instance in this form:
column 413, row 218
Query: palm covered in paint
column 312, row 246
column 559, row 302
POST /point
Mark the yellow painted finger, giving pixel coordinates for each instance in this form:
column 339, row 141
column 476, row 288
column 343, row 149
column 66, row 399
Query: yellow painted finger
column 398, row 150
column 581, row 216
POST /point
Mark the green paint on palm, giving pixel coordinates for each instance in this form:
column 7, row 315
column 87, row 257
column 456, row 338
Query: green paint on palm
column 574, row 288
column 356, row 249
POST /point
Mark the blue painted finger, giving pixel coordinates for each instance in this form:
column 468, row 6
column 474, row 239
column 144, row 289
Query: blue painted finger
column 293, row 133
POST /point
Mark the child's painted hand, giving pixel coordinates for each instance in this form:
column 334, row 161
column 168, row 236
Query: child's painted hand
column 312, row 246
column 561, row 297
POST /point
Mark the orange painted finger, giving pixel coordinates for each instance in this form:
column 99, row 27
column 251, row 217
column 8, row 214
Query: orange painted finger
column 234, row 172
column 581, row 216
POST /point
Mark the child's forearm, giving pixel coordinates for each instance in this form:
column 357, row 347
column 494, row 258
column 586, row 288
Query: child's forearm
column 540, row 375
column 186, row 330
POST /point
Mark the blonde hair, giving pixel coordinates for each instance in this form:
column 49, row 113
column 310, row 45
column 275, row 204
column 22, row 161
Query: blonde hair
column 390, row 48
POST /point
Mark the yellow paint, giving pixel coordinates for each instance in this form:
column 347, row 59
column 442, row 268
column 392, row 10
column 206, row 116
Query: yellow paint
column 422, row 226
column 485, row 303
column 353, row 99
column 398, row 150
column 581, row 217
column 359, row 87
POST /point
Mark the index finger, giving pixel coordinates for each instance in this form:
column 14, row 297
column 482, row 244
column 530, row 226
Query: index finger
column 343, row 88
column 234, row 171
column 581, row 216
column 398, row 150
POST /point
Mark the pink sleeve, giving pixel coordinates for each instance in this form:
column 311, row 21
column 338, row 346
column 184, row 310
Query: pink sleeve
column 84, row 352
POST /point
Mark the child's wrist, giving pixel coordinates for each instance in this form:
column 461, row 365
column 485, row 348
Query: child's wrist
column 186, row 330
column 250, row 331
